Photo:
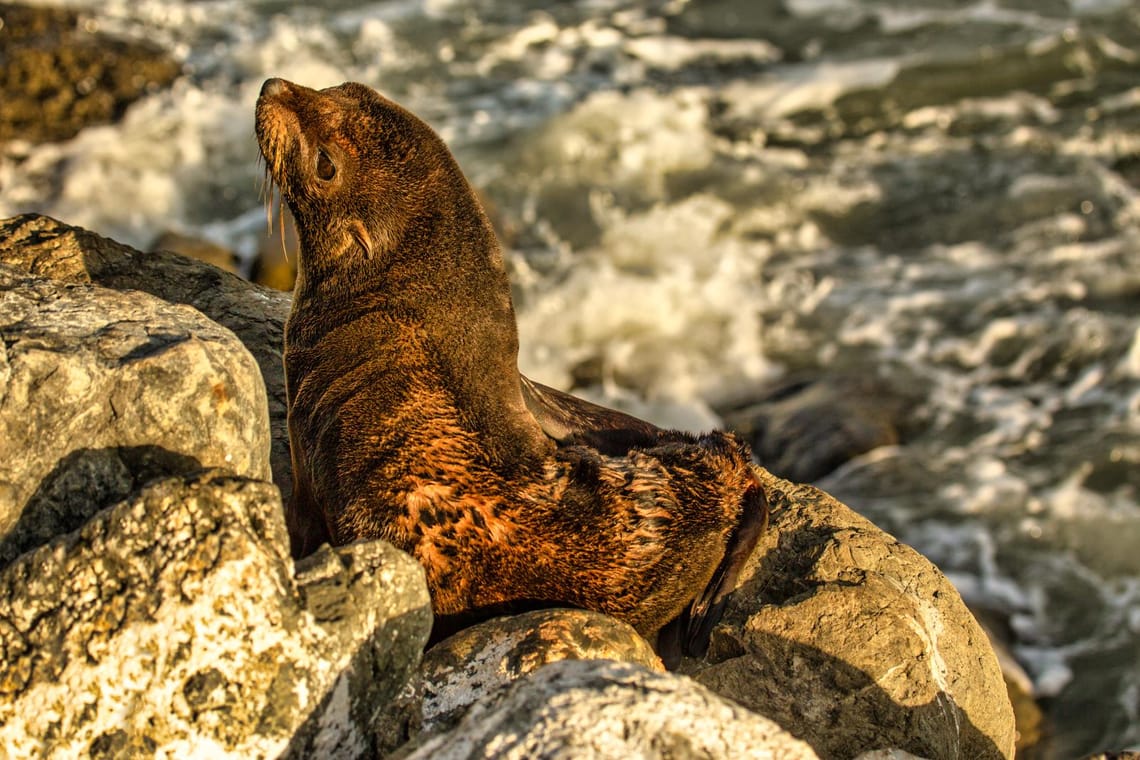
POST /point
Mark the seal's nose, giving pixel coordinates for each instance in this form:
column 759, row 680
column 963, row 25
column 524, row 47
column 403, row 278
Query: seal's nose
column 273, row 87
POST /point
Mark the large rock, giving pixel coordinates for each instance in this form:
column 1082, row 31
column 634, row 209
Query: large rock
column 100, row 391
column 599, row 709
column 170, row 626
column 58, row 73
column 48, row 248
column 853, row 641
column 476, row 663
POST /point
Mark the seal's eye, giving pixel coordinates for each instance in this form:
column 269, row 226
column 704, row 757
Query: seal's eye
column 326, row 169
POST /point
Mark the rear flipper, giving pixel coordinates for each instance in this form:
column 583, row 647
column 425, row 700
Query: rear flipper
column 689, row 633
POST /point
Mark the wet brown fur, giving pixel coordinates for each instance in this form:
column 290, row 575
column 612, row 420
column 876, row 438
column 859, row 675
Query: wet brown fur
column 409, row 420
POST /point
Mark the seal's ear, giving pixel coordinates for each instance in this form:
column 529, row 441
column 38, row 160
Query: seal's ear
column 362, row 236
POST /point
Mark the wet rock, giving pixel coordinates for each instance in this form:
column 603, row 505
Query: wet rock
column 805, row 426
column 101, row 391
column 197, row 248
column 603, row 709
column 853, row 641
column 997, row 193
column 480, row 661
column 58, row 73
column 48, row 248
column 773, row 20
column 987, row 71
column 169, row 625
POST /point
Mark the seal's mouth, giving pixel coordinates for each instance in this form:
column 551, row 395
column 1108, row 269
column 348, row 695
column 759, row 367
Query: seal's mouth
column 277, row 126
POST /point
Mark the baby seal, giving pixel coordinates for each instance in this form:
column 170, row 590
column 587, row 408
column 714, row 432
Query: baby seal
column 409, row 420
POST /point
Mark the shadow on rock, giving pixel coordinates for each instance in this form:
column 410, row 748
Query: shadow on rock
column 865, row 717
column 853, row 641
column 45, row 247
column 85, row 482
column 374, row 675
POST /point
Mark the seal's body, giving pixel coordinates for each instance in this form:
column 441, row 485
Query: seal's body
column 409, row 420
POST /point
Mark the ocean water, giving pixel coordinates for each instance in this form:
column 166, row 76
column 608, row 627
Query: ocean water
column 700, row 198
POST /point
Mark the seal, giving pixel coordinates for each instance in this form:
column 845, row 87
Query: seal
column 410, row 422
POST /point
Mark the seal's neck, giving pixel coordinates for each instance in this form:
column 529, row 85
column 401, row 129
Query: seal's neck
column 446, row 276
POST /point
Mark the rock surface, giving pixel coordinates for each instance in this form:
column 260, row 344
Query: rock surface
column 58, row 73
column 854, row 642
column 44, row 247
column 170, row 626
column 478, row 662
column 575, row 709
column 100, row 391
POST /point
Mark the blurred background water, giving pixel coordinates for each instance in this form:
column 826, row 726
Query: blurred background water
column 705, row 202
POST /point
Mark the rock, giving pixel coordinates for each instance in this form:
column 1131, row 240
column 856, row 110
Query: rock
column 480, row 661
column 197, row 248
column 44, row 247
column 806, row 426
column 100, row 391
column 601, row 709
column 169, row 626
column 854, row 642
column 58, row 75
column 984, row 71
column 373, row 589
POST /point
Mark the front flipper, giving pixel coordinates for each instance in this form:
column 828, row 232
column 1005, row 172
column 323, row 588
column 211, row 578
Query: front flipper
column 689, row 633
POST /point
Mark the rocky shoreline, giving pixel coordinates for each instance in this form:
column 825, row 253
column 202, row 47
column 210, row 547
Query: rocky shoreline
column 148, row 603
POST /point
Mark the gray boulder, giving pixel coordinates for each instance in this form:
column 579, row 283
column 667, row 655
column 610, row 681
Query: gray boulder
column 44, row 247
column 855, row 642
column 480, row 661
column 101, row 391
column 170, row 625
column 598, row 709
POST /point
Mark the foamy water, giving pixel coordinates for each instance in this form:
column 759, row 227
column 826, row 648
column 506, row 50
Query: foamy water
column 703, row 197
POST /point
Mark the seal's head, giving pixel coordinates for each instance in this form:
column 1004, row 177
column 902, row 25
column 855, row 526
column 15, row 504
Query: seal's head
column 352, row 165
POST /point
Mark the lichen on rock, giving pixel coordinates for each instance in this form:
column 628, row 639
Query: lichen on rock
column 58, row 74
column 604, row 709
column 171, row 624
column 104, row 390
column 474, row 664
column 47, row 248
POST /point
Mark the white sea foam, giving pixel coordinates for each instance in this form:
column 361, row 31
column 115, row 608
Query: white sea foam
column 663, row 304
column 672, row 53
